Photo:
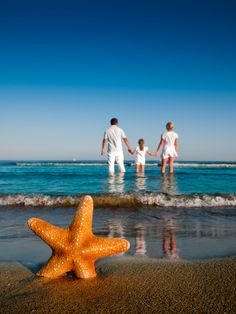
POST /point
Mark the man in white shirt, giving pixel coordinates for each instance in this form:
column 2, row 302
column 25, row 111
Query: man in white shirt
column 114, row 136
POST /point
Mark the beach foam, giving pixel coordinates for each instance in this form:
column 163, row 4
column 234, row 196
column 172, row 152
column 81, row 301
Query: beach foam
column 123, row 200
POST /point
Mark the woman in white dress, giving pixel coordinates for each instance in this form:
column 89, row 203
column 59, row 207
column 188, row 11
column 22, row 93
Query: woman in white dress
column 169, row 141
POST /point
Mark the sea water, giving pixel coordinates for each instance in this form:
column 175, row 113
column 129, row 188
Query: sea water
column 192, row 214
column 57, row 178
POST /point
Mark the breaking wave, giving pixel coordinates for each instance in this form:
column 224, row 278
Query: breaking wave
column 123, row 200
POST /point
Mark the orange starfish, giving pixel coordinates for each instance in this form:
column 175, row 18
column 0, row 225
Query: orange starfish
column 75, row 248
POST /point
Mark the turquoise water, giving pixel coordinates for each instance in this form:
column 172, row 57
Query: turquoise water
column 64, row 178
column 201, row 183
column 195, row 208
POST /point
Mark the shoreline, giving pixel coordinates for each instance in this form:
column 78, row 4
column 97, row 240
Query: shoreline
column 127, row 285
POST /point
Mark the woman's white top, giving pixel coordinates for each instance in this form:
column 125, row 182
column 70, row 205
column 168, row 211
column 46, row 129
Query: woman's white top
column 169, row 150
column 140, row 155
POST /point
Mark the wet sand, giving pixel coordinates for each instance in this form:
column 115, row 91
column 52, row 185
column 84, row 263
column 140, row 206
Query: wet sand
column 125, row 285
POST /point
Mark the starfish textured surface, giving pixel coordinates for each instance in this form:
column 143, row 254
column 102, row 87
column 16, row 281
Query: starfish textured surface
column 75, row 248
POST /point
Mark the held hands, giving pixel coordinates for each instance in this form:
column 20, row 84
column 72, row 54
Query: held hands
column 154, row 154
column 130, row 151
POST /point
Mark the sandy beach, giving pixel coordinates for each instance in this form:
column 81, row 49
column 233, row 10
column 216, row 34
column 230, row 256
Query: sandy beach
column 125, row 285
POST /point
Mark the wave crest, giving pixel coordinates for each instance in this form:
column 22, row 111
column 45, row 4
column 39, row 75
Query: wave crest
column 123, row 200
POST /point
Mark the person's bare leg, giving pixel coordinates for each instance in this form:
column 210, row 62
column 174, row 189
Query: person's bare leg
column 171, row 166
column 163, row 165
column 137, row 168
column 142, row 168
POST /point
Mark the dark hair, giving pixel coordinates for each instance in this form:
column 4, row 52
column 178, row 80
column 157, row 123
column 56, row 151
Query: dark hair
column 114, row 121
column 141, row 143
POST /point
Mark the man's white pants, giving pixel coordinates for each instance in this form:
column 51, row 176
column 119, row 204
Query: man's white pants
column 119, row 158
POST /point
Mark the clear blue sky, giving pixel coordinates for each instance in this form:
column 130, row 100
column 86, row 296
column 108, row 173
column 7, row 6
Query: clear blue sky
column 67, row 67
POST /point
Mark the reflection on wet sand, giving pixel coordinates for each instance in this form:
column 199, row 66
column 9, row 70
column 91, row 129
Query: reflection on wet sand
column 116, row 183
column 169, row 184
column 116, row 229
column 140, row 243
column 170, row 251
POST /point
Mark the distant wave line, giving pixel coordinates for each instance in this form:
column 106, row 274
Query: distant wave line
column 59, row 164
column 205, row 165
column 127, row 163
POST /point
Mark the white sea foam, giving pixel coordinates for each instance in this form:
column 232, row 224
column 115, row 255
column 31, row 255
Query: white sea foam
column 37, row 200
column 197, row 165
column 59, row 164
column 123, row 200
column 205, row 165
column 188, row 201
column 150, row 164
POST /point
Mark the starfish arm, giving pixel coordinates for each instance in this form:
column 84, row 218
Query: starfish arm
column 81, row 226
column 55, row 267
column 54, row 236
column 84, row 268
column 102, row 247
column 75, row 248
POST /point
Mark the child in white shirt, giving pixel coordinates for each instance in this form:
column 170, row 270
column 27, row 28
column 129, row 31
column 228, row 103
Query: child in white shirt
column 140, row 151
column 169, row 140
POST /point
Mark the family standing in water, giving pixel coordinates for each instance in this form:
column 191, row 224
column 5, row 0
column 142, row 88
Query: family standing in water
column 114, row 135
